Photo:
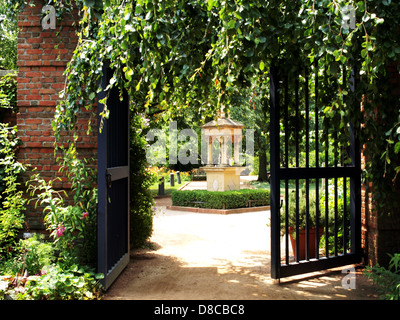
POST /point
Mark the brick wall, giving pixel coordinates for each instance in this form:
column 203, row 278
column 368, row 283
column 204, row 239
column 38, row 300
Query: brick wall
column 42, row 59
column 380, row 234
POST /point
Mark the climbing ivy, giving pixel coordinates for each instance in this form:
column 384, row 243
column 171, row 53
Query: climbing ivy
column 173, row 55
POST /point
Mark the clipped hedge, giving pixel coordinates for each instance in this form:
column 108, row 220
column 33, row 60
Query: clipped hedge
column 220, row 199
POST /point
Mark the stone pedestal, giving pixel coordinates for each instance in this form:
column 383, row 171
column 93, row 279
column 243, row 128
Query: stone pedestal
column 223, row 178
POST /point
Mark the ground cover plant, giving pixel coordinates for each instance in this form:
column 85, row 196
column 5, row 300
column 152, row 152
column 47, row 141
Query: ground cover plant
column 387, row 279
column 63, row 266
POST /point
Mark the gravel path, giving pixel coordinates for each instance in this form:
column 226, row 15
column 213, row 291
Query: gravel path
column 211, row 256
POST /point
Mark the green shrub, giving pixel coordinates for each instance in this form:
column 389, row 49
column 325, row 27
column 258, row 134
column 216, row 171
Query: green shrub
column 56, row 283
column 8, row 92
column 388, row 280
column 141, row 199
column 141, row 220
column 72, row 227
column 11, row 198
column 312, row 213
column 30, row 256
column 220, row 199
column 302, row 211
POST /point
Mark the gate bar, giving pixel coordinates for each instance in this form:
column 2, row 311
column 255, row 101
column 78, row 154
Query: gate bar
column 333, row 171
column 275, row 179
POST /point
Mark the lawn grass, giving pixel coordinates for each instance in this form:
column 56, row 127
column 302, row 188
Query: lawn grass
column 167, row 188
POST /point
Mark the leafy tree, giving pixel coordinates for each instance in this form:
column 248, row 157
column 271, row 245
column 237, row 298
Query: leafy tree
column 8, row 36
column 174, row 55
column 251, row 106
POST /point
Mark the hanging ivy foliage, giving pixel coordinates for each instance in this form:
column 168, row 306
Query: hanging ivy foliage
column 172, row 55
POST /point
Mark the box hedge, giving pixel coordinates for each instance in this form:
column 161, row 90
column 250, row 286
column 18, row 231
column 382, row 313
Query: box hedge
column 220, row 199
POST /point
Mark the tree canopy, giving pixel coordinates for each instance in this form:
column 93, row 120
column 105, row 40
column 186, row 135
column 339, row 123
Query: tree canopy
column 8, row 37
column 173, row 55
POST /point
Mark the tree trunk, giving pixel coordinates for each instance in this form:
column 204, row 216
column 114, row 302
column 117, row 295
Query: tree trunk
column 262, row 166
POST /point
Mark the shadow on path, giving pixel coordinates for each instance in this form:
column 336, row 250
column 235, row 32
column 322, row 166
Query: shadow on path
column 209, row 256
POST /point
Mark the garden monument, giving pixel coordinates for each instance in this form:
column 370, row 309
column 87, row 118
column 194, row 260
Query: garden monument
column 223, row 170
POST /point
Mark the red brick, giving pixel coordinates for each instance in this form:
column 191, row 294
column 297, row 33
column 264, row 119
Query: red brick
column 34, row 97
column 34, row 40
column 34, row 85
column 42, row 138
column 22, row 80
column 23, row 103
column 48, row 103
column 46, row 150
column 33, row 63
column 34, row 109
column 48, row 68
column 32, row 74
column 24, row 23
column 47, row 91
column 33, row 121
column 33, row 51
column 33, row 144
column 58, row 85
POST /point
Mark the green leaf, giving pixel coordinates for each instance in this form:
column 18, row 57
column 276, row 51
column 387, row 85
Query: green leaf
column 231, row 24
column 249, row 53
column 262, row 39
column 363, row 53
column 366, row 17
column 99, row 276
column 262, row 65
column 124, row 45
column 89, row 3
column 397, row 147
column 210, row 4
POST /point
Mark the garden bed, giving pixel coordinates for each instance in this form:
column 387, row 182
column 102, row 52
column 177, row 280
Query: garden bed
column 225, row 200
column 219, row 211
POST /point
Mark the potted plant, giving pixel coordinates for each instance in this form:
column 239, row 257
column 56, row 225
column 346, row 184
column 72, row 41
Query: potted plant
column 301, row 237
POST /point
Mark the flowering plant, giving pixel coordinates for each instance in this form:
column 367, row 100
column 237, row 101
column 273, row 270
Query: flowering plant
column 72, row 227
column 60, row 230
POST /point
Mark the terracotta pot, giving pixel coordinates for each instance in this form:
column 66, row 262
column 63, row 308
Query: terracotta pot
column 302, row 245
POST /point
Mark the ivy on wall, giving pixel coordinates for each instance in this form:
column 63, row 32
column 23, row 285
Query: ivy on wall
column 173, row 55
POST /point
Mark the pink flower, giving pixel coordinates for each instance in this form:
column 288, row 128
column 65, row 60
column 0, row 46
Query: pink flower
column 60, row 230
column 85, row 215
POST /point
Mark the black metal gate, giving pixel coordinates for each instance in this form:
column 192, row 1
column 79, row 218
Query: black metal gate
column 113, row 184
column 315, row 173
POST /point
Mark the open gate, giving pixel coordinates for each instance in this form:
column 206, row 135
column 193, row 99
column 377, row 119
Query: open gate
column 113, row 185
column 315, row 175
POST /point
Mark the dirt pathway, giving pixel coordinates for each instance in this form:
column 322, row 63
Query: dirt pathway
column 209, row 256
